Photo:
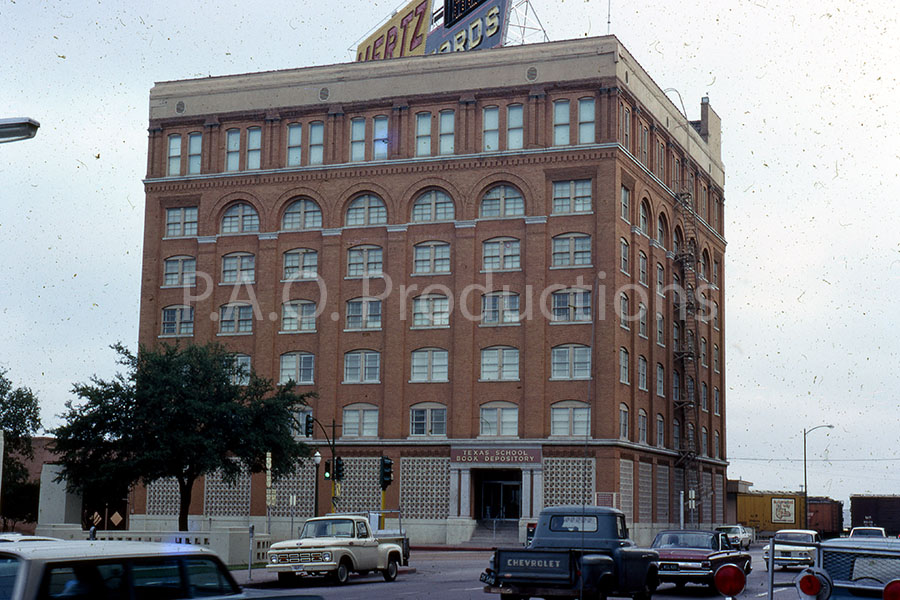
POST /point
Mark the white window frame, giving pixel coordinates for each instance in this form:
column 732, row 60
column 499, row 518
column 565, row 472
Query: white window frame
column 306, row 267
column 363, row 314
column 500, row 363
column 357, row 139
column 490, row 129
column 574, row 196
column 505, row 305
column 498, row 419
column 316, row 143
column 624, row 258
column 570, row 362
column 643, row 383
column 660, row 431
column 570, row 418
column 254, row 148
column 233, row 150
column 508, row 200
column 501, row 254
column 299, row 367
column 235, row 319
column 366, row 210
column 360, row 421
column 431, row 416
column 180, row 271
column 660, row 380
column 624, row 366
column 423, row 133
column 431, row 258
column 623, row 421
column 380, row 138
column 571, row 306
column 432, row 206
column 298, row 315
column 586, row 121
column 431, row 311
column 643, row 427
column 302, row 214
column 562, row 123
column 177, row 320
column 365, row 262
column 446, row 132
column 429, row 365
column 240, row 217
column 242, row 367
column 515, row 127
column 238, row 267
column 362, row 366
column 294, row 145
column 173, row 155
column 181, row 221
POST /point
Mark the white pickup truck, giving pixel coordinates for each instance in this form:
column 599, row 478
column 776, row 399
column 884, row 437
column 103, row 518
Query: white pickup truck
column 335, row 546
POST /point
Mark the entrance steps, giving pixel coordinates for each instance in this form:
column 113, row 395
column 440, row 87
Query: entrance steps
column 496, row 533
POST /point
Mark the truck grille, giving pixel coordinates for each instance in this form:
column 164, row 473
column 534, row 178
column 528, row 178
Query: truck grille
column 299, row 557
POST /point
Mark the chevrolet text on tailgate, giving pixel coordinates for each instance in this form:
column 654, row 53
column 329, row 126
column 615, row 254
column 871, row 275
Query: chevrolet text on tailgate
column 576, row 550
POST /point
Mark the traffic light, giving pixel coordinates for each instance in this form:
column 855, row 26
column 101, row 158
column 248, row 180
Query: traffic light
column 308, row 430
column 338, row 468
column 387, row 472
column 327, row 469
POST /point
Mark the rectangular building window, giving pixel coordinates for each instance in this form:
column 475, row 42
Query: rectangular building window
column 362, row 366
column 295, row 145
column 561, row 123
column 232, row 150
column 515, row 127
column 254, row 147
column 571, row 196
column 428, row 421
column 316, row 143
column 360, row 422
column 586, row 134
column 379, row 138
column 357, row 139
column 423, row 134
column 174, row 155
column 447, row 138
column 490, row 129
column 195, row 150
column 181, row 221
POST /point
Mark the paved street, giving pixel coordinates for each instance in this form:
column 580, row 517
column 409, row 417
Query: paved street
column 453, row 575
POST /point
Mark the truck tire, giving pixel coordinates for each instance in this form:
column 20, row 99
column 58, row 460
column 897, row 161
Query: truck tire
column 342, row 573
column 390, row 572
column 287, row 579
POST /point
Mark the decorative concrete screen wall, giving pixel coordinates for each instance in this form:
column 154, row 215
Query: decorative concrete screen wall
column 706, row 493
column 222, row 499
column 301, row 484
column 719, row 499
column 162, row 497
column 360, row 489
column 626, row 488
column 569, row 481
column 425, row 488
column 645, row 493
column 662, row 493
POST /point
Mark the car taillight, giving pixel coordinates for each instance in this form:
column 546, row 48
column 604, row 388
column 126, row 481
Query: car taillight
column 891, row 590
column 730, row 580
column 813, row 584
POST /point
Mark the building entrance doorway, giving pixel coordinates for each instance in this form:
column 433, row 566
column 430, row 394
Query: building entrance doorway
column 498, row 493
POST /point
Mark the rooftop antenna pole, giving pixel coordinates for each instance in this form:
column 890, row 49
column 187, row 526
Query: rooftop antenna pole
column 608, row 16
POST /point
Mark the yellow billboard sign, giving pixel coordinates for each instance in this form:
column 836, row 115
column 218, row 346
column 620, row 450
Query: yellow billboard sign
column 403, row 35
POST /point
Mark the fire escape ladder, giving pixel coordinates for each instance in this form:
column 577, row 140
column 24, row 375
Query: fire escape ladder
column 687, row 409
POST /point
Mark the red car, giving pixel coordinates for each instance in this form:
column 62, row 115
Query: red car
column 692, row 556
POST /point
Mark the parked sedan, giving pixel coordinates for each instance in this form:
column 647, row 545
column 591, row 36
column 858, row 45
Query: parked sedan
column 693, row 556
column 738, row 536
column 793, row 554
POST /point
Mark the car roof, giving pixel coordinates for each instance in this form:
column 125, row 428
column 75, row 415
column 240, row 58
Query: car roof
column 688, row 531
column 863, row 542
column 577, row 509
column 61, row 550
column 809, row 531
column 18, row 537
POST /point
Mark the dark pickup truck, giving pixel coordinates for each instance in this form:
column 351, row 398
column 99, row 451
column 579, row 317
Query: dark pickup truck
column 577, row 552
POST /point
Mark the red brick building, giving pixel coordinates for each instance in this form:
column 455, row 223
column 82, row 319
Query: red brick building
column 503, row 269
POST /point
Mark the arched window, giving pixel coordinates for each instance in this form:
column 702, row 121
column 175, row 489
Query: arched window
column 366, row 210
column 360, row 420
column 624, row 375
column 570, row 361
column 501, row 254
column 704, row 442
column 300, row 263
column 623, row 421
column 623, row 256
column 429, row 365
column 364, row 313
column 717, row 445
column 571, row 306
column 240, row 374
column 302, row 214
column 177, row 320
column 502, row 201
column 662, row 230
column 298, row 367
column 431, row 258
column 428, row 419
column 660, row 431
column 500, row 363
column 643, row 426
column 676, row 434
column 570, row 418
column 431, row 206
column 643, row 269
column 238, row 267
column 660, row 380
column 236, row 318
column 240, row 218
column 431, row 310
column 642, row 374
column 364, row 261
column 362, row 366
column 499, row 418
column 645, row 218
column 500, row 308
column 704, row 396
column 571, row 250
column 298, row 315
column 180, row 271
column 678, row 242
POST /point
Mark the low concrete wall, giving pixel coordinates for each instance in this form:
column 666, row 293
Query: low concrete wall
column 232, row 544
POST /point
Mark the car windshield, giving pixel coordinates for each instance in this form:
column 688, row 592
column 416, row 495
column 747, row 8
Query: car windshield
column 868, row 532
column 680, row 539
column 793, row 536
column 9, row 567
column 327, row 528
column 728, row 529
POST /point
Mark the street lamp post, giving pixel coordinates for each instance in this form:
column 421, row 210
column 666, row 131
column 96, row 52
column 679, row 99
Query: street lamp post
column 317, row 459
column 805, row 488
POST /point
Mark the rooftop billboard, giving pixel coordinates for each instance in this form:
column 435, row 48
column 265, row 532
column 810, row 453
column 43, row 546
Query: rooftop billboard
column 403, row 35
column 478, row 29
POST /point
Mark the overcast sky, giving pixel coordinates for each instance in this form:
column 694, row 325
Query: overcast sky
column 807, row 92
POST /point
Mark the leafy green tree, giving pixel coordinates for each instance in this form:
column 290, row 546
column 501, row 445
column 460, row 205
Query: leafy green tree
column 180, row 412
column 19, row 419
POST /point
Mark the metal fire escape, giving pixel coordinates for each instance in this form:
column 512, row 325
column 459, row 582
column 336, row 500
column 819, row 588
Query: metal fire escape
column 686, row 355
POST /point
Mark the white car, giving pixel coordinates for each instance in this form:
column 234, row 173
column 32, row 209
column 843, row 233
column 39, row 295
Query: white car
column 869, row 532
column 106, row 569
column 738, row 536
column 795, row 554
